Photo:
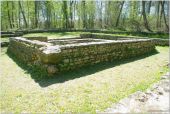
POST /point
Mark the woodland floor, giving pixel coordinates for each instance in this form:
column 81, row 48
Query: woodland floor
column 84, row 90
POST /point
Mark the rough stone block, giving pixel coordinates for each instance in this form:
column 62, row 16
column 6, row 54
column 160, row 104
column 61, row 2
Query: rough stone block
column 68, row 54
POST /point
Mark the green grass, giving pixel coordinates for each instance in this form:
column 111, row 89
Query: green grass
column 52, row 35
column 84, row 90
column 161, row 36
column 4, row 39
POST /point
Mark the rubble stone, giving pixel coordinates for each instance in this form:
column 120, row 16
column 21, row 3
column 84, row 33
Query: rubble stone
column 69, row 54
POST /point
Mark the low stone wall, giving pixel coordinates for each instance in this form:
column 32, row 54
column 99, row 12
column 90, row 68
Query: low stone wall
column 161, row 42
column 11, row 34
column 59, row 58
column 89, row 30
column 22, row 32
column 25, row 50
column 39, row 38
column 4, row 44
column 104, row 36
column 78, row 56
column 157, row 41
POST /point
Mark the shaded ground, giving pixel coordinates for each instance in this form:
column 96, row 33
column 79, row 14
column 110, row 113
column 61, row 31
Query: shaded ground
column 155, row 100
column 85, row 90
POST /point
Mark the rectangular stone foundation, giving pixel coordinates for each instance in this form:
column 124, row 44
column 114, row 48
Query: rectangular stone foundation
column 60, row 55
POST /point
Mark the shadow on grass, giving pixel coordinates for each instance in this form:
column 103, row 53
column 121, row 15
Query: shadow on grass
column 43, row 80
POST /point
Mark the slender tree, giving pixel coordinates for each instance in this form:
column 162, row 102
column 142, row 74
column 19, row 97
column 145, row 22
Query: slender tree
column 13, row 20
column 23, row 14
column 84, row 14
column 144, row 16
column 65, row 15
column 9, row 17
column 163, row 12
column 149, row 7
column 28, row 13
column 71, row 14
column 80, row 14
column 118, row 18
column 158, row 12
column 36, row 13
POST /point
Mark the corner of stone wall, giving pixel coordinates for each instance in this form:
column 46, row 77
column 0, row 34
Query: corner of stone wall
column 86, row 35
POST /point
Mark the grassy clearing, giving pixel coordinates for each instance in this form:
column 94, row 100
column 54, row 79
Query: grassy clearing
column 73, row 34
column 161, row 36
column 4, row 39
column 84, row 90
column 52, row 35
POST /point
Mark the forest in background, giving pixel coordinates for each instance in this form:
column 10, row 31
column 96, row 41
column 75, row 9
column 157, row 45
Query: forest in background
column 77, row 14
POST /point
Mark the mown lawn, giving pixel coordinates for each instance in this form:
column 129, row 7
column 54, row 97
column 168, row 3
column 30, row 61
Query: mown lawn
column 6, row 39
column 85, row 90
column 161, row 36
column 52, row 35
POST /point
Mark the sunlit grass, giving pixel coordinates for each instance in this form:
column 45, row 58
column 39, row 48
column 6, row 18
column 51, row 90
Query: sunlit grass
column 6, row 39
column 52, row 35
column 136, row 35
column 85, row 90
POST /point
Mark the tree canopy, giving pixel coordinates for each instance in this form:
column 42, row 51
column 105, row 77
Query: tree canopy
column 98, row 14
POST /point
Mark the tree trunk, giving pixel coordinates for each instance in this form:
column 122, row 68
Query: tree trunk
column 19, row 17
column 163, row 12
column 36, row 12
column 48, row 14
column 144, row 16
column 9, row 17
column 149, row 7
column 84, row 14
column 71, row 14
column 101, row 16
column 107, row 14
column 28, row 16
column 13, row 21
column 65, row 15
column 74, row 17
column 43, row 14
column 117, row 21
column 22, row 11
column 160, row 23
column 158, row 14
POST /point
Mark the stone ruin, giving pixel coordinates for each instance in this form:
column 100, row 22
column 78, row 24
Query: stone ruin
column 59, row 55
